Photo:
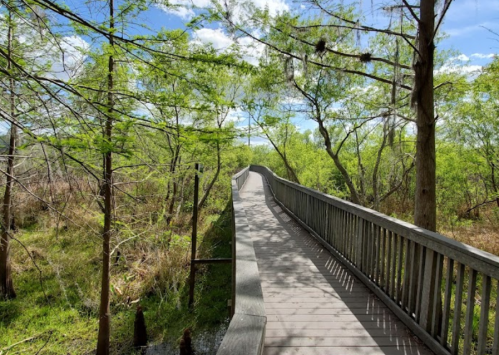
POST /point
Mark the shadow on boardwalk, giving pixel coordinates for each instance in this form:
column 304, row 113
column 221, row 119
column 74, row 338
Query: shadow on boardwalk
column 314, row 305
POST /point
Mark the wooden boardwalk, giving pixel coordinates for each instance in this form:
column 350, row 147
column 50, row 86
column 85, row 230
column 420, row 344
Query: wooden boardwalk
column 314, row 305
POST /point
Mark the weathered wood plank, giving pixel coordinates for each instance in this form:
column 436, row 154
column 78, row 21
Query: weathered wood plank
column 246, row 331
column 346, row 341
column 291, row 283
column 338, row 333
column 477, row 259
column 458, row 303
column 447, row 302
column 367, row 307
column 470, row 312
column 326, row 298
column 484, row 316
column 333, row 325
column 326, row 311
column 402, row 350
column 245, row 336
column 297, row 318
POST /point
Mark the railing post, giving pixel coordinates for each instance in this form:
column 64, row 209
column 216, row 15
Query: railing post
column 234, row 260
column 360, row 230
column 427, row 299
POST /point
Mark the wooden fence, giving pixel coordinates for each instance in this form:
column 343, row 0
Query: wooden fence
column 247, row 327
column 446, row 292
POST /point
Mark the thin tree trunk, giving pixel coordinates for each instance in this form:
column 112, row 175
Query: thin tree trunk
column 291, row 173
column 212, row 182
column 375, row 172
column 425, row 214
column 361, row 168
column 6, row 284
column 354, row 196
column 173, row 170
column 494, row 183
column 104, row 312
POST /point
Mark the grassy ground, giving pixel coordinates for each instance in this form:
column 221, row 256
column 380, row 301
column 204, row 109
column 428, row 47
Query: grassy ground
column 57, row 305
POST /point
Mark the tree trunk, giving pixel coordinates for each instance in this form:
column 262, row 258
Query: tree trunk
column 375, row 179
column 425, row 214
column 212, row 182
column 291, row 173
column 6, row 284
column 354, row 196
column 104, row 312
column 173, row 170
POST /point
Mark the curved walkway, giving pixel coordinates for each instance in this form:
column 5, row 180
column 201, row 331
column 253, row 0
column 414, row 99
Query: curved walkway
column 313, row 303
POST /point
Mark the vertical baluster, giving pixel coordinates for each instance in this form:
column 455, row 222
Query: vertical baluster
column 377, row 249
column 313, row 202
column 495, row 345
column 340, row 230
column 345, row 233
column 368, row 248
column 484, row 315
column 470, row 312
column 336, row 222
column 422, row 256
column 388, row 282
column 332, row 229
column 374, row 254
column 321, row 218
column 349, row 237
column 437, row 297
column 336, row 226
column 383, row 260
column 399, row 275
column 352, row 241
column 352, row 237
column 447, row 300
column 341, row 248
column 393, row 281
column 360, row 251
column 407, row 274
column 413, row 276
column 456, row 324
column 326, row 220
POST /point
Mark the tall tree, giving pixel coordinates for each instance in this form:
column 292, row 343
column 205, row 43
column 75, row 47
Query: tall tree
column 346, row 23
column 104, row 312
column 6, row 283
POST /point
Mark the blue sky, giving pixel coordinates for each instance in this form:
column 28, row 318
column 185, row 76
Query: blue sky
column 465, row 23
column 465, row 26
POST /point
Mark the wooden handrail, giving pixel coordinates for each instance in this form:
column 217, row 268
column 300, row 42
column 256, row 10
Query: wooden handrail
column 420, row 275
column 246, row 330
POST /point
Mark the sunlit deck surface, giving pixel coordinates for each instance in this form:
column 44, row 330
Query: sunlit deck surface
column 314, row 305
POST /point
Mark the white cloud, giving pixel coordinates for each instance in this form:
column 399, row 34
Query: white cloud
column 460, row 57
column 67, row 56
column 469, row 70
column 250, row 50
column 483, row 56
column 235, row 115
column 216, row 37
column 186, row 8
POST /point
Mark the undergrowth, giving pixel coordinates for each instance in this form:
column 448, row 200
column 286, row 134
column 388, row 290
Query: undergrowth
column 58, row 283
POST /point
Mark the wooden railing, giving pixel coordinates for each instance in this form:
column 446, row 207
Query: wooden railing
column 246, row 330
column 446, row 292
